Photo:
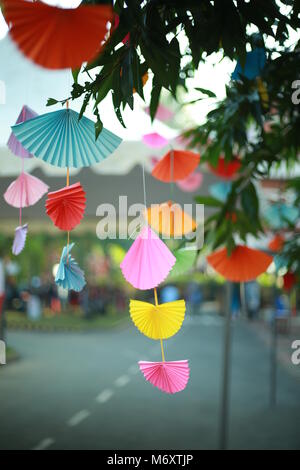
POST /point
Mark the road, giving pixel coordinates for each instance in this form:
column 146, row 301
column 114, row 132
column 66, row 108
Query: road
column 83, row 391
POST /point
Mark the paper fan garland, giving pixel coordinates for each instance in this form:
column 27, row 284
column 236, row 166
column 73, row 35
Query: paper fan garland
column 13, row 144
column 57, row 38
column 244, row 264
column 170, row 377
column 25, row 191
column 60, row 139
column 176, row 165
column 66, row 206
column 148, row 261
column 191, row 183
column 20, row 239
column 220, row 190
column 170, row 220
column 155, row 140
column 157, row 321
column 226, row 169
column 69, row 275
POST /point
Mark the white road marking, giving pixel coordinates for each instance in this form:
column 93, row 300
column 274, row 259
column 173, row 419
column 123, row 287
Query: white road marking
column 122, row 381
column 44, row 444
column 105, row 395
column 78, row 418
column 133, row 369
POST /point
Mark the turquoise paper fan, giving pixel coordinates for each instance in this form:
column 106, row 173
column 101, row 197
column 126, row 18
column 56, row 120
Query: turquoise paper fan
column 60, row 139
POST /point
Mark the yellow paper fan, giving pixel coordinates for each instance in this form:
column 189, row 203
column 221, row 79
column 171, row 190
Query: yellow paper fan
column 157, row 321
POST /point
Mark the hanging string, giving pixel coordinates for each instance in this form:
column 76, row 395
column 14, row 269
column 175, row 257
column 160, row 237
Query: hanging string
column 21, row 194
column 161, row 341
column 144, row 186
column 172, row 173
column 68, row 184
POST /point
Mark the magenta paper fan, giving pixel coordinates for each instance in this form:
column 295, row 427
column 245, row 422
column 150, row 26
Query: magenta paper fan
column 25, row 191
column 170, row 377
column 20, row 239
column 154, row 140
column 191, row 183
column 13, row 144
column 148, row 261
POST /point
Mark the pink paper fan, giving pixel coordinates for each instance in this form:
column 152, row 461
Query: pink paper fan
column 148, row 261
column 191, row 183
column 20, row 239
column 162, row 113
column 25, row 191
column 155, row 140
column 13, row 144
column 170, row 377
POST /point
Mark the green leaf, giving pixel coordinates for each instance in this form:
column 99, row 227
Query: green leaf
column 249, row 201
column 154, row 102
column 204, row 91
column 51, row 102
column 208, row 201
column 75, row 73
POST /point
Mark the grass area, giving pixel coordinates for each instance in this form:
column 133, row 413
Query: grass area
column 65, row 321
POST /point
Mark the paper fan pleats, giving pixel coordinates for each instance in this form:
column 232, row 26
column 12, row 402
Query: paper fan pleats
column 155, row 140
column 170, row 220
column 69, row 275
column 57, row 38
column 170, row 377
column 66, row 206
column 176, row 165
column 19, row 239
column 244, row 264
column 185, row 260
column 148, row 261
column 226, row 169
column 13, row 144
column 157, row 321
column 60, row 139
column 25, row 191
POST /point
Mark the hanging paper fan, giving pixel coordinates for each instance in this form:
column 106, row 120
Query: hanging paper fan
column 148, row 261
column 155, row 140
column 170, row 377
column 244, row 264
column 20, row 239
column 60, row 139
column 276, row 244
column 162, row 113
column 280, row 215
column 57, row 38
column 289, row 280
column 191, row 183
column 69, row 275
column 176, row 165
column 157, row 321
column 185, row 261
column 66, row 206
column 220, row 190
column 226, row 169
column 13, row 144
column 25, row 191
column 170, row 220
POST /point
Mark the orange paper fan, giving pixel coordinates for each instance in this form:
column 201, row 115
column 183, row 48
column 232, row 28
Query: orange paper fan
column 57, row 38
column 66, row 206
column 276, row 244
column 244, row 264
column 176, row 165
column 170, row 220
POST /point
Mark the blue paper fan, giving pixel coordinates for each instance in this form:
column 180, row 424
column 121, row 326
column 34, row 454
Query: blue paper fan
column 69, row 275
column 60, row 139
column 254, row 65
column 280, row 215
column 220, row 190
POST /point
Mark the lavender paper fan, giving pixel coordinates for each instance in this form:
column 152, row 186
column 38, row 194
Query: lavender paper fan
column 20, row 239
column 13, row 143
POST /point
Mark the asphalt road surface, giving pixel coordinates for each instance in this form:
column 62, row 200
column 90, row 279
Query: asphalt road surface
column 84, row 391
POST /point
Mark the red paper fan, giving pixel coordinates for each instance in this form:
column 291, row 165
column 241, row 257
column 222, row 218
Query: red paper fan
column 226, row 169
column 276, row 243
column 289, row 280
column 66, row 206
column 57, row 38
column 176, row 165
column 244, row 264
